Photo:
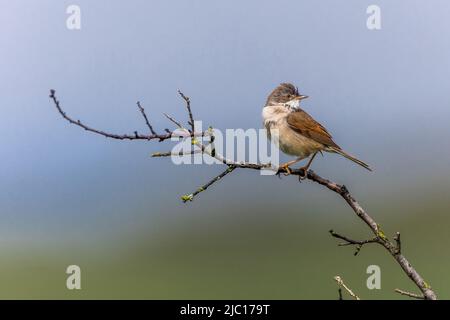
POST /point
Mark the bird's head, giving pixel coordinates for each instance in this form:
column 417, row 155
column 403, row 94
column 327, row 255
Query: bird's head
column 286, row 94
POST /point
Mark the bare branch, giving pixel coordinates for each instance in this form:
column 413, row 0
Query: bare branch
column 349, row 242
column 188, row 107
column 135, row 136
column 410, row 294
column 342, row 284
column 174, row 154
column 383, row 240
column 142, row 110
column 398, row 247
column 393, row 248
column 340, row 293
column 357, row 208
column 190, row 197
column 178, row 124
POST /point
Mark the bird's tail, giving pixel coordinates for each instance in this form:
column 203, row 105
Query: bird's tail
column 350, row 157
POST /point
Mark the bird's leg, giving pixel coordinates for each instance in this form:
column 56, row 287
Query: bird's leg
column 305, row 168
column 286, row 165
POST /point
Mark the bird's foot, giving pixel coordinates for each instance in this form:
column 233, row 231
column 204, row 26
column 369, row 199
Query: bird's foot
column 286, row 168
column 304, row 175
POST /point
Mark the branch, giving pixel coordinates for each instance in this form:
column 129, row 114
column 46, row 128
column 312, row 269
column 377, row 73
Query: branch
column 173, row 120
column 380, row 238
column 190, row 197
column 191, row 121
column 135, row 136
column 349, row 242
column 142, row 110
column 410, row 294
column 349, row 291
column 398, row 247
column 394, row 250
column 174, row 154
column 340, row 293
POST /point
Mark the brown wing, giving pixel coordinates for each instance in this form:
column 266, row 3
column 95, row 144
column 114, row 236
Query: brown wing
column 304, row 124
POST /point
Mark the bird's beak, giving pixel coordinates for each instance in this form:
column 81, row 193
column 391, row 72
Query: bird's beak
column 301, row 97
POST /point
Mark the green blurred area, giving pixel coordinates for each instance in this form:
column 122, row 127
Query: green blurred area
column 244, row 254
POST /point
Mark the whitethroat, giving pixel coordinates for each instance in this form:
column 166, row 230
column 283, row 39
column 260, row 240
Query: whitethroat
column 297, row 133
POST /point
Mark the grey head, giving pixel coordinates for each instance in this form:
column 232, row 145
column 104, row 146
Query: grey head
column 283, row 94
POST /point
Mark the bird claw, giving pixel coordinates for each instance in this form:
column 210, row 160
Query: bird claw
column 304, row 175
column 288, row 170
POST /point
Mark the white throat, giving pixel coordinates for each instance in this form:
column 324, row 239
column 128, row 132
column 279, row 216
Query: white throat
column 293, row 104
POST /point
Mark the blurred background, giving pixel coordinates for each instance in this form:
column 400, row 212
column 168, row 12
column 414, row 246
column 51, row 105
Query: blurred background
column 71, row 197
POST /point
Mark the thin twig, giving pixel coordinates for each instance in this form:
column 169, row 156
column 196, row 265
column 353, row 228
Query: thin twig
column 135, row 136
column 342, row 284
column 190, row 197
column 340, row 293
column 178, row 124
column 175, row 154
column 410, row 294
column 142, row 110
column 191, row 121
column 349, row 242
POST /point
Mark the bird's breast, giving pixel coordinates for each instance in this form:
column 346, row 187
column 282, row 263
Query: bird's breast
column 288, row 140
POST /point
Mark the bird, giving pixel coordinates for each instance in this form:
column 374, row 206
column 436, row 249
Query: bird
column 295, row 132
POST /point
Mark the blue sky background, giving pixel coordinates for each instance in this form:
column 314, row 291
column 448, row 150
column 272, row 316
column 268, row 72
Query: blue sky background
column 383, row 94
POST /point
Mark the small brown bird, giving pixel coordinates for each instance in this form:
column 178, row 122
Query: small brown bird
column 296, row 131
